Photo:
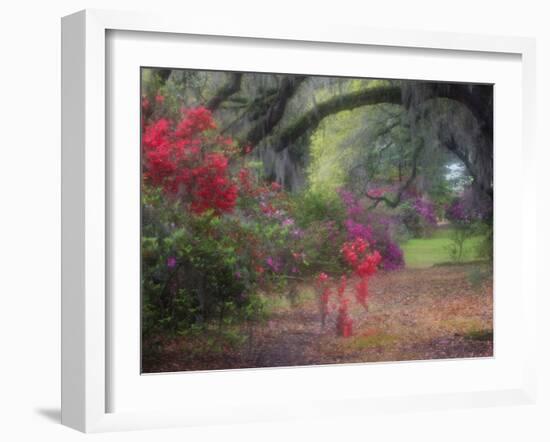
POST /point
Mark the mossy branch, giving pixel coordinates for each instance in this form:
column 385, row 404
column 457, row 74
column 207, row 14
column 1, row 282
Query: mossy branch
column 309, row 121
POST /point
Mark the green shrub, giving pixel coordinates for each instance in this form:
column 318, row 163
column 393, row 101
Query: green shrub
column 485, row 247
column 199, row 273
column 317, row 206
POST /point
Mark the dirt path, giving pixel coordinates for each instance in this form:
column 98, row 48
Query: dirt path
column 413, row 314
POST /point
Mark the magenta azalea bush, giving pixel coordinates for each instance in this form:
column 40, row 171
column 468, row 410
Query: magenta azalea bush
column 418, row 215
column 375, row 228
column 426, row 210
column 468, row 208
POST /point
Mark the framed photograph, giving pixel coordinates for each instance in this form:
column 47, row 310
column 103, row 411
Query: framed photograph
column 269, row 223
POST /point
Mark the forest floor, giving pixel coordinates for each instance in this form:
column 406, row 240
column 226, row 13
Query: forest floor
column 441, row 312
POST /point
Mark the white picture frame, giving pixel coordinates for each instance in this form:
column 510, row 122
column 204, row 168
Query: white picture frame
column 85, row 202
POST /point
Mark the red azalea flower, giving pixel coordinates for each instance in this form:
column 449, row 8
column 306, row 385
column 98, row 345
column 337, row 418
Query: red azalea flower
column 174, row 159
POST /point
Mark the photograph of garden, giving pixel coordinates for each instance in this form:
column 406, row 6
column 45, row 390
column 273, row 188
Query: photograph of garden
column 291, row 220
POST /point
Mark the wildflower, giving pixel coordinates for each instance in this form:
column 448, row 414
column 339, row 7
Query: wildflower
column 275, row 186
column 287, row 222
column 364, row 265
column 273, row 264
column 322, row 277
column 171, row 262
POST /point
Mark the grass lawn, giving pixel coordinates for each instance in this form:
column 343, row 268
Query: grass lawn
column 425, row 252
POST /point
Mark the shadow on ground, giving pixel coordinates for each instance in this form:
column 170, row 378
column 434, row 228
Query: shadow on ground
column 51, row 414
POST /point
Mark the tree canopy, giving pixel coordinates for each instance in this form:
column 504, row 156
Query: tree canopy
column 361, row 132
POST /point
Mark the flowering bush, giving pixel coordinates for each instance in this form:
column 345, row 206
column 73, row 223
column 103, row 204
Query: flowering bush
column 357, row 230
column 419, row 216
column 393, row 256
column 374, row 228
column 469, row 207
column 364, row 265
column 181, row 157
column 197, row 264
column 215, row 233
column 195, row 271
column 353, row 208
column 426, row 210
column 344, row 322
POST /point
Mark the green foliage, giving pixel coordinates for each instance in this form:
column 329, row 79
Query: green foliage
column 321, row 244
column 199, row 272
column 328, row 170
column 441, row 193
column 320, row 217
column 311, row 206
column 485, row 247
column 458, row 238
column 461, row 233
